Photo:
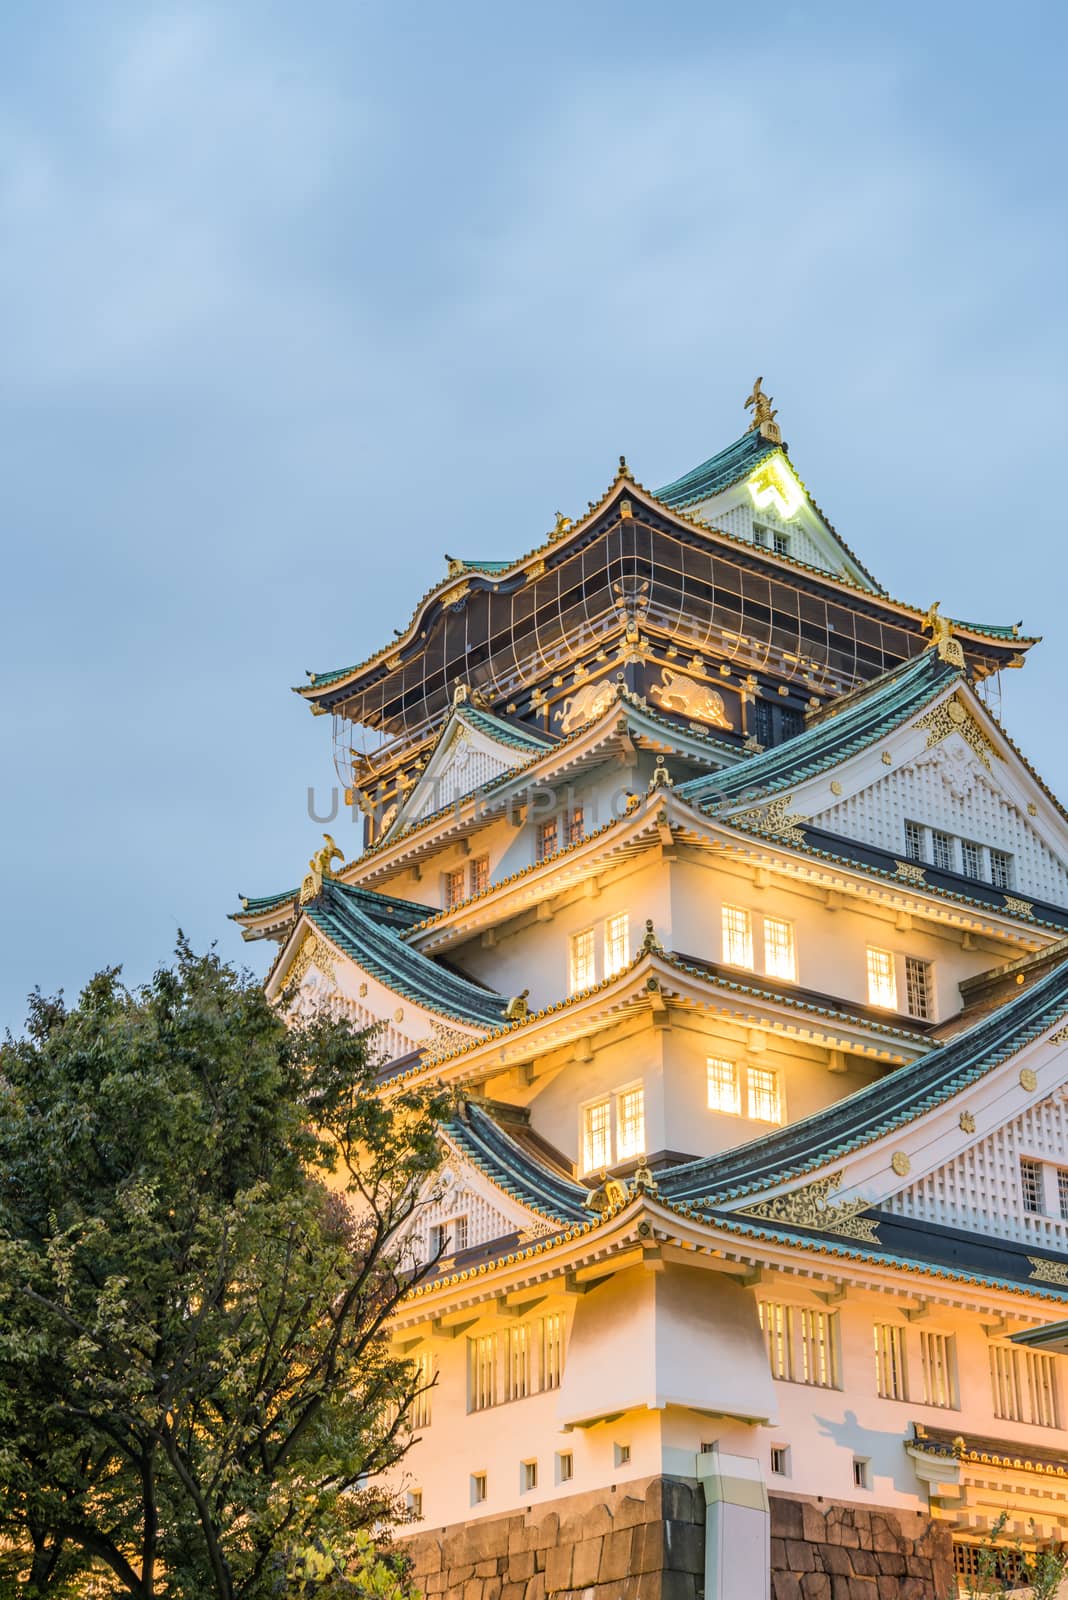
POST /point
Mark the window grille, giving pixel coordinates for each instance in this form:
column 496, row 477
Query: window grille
column 942, row 850
column 552, row 1350
column 630, row 1123
column 765, row 1095
column 454, row 887
column 448, row 1237
column 548, row 838
column 724, row 1089
column 616, row 944
column 482, row 1372
column 882, row 978
column 861, row 1473
column 1000, row 869
column 424, row 1377
column 1031, row 1185
column 914, row 841
column 737, row 936
column 781, row 543
column 596, row 1136
column 480, row 876
column 565, row 1466
column 761, row 723
column 517, row 1381
column 891, row 1373
column 777, row 1323
column 576, row 825
column 1062, row 1191
column 971, row 858
column 817, row 1348
column 1024, row 1386
column 918, row 987
column 936, row 1358
column 583, row 961
column 780, row 959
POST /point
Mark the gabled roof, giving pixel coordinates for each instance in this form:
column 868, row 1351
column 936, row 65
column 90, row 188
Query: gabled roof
column 718, row 472
column 488, row 1147
column 385, row 909
column 848, row 726
column 340, row 912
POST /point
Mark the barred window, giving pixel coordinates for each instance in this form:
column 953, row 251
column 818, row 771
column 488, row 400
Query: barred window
column 724, row 1088
column 882, row 978
column 891, row 1371
column 801, row 1343
column 737, row 936
column 448, row 1237
column 914, row 841
column 781, row 543
column 765, row 1094
column 480, row 876
column 616, row 944
column 1031, row 1185
column 583, row 961
column 1062, row 1191
column 424, row 1377
column 482, row 1389
column 517, row 1367
column 936, row 1357
column 576, row 825
column 630, row 1123
column 942, row 850
column 817, row 1348
column 548, row 838
column 454, row 887
column 596, row 1136
column 1024, row 1386
column 1000, row 869
column 777, row 1322
column 971, row 858
column 552, row 1350
column 918, row 987
column 780, row 959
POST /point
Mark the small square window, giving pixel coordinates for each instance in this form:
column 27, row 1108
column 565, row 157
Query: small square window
column 780, row 1460
column 528, row 1476
column 1000, row 869
column 414, row 1502
column 479, row 1488
column 782, row 543
column 709, row 1446
column 565, row 1466
column 454, row 887
column 861, row 1472
column 622, row 1455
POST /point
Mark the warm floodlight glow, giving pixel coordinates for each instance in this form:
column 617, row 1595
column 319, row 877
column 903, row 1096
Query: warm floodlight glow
column 774, row 484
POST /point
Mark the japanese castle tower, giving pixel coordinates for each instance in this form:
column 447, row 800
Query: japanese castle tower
column 704, row 875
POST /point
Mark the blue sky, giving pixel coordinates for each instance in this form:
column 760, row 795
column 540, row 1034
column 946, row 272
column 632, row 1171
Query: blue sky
column 294, row 299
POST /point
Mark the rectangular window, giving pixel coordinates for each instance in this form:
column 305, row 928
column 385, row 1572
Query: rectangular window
column 761, row 535
column 1062, row 1191
column 454, row 887
column 780, row 960
column 971, row 855
column 480, row 875
column 891, row 1374
column 936, row 1355
column 1024, row 1386
column 576, row 825
column 817, row 1348
column 780, row 1460
column 583, row 961
column 724, row 1088
column 861, row 1473
column 482, row 1372
column 548, row 838
column 479, row 1488
column 942, row 851
column 517, row 1364
column 1000, row 869
column 529, row 1476
column 565, row 1466
column 616, row 944
column 777, row 1323
column 765, row 1095
column 918, row 987
column 621, row 1455
column 882, row 978
column 424, row 1377
column 737, row 936
column 781, row 543
column 596, row 1136
column 552, row 1350
column 800, row 1343
column 448, row 1237
column 914, row 841
column 415, row 1504
column 630, row 1123
column 1031, row 1186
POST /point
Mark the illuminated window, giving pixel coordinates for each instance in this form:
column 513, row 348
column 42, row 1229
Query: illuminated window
column 1031, row 1186
column 777, row 1323
column 1024, row 1386
column 737, row 936
column 480, row 875
column 801, row 1343
column 552, row 1350
column 1000, row 869
column 882, row 978
column 971, row 859
column 479, row 1488
column 548, row 838
column 765, row 1096
column 454, row 887
column 724, row 1089
column 936, row 1355
column 891, row 1375
column 583, row 958
column 780, row 960
column 576, row 825
column 482, row 1372
column 914, row 841
column 616, row 944
column 918, row 987
column 424, row 1377
column 942, row 850
column 596, row 1136
column 517, row 1364
column 630, row 1123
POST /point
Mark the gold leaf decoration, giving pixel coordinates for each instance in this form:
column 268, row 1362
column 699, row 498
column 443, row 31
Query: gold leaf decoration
column 1043, row 1271
column 953, row 717
column 967, row 1122
column 1019, row 908
column 775, row 818
column 812, row 1207
column 901, row 1163
column 909, row 872
column 313, row 951
column 1028, row 1079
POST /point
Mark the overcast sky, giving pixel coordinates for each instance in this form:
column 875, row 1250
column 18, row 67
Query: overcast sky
column 295, row 298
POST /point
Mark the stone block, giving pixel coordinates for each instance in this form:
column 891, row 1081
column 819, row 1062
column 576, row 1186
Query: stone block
column 586, row 1563
column 558, row 1567
column 520, row 1566
column 684, row 1544
column 536, row 1587
column 885, row 1535
column 834, row 1559
column 492, row 1589
column 799, row 1556
column 865, row 1563
column 616, row 1552
column 813, row 1525
column 891, row 1564
column 816, row 1586
column 426, row 1558
column 628, row 1512
column 785, row 1586
column 433, row 1583
column 787, row 1519
column 514, row 1591
column 778, row 1555
column 459, row 1574
column 678, row 1586
column 918, row 1567
column 486, row 1569
column 649, row 1548
column 546, row 1531
column 587, row 1524
column 472, row 1589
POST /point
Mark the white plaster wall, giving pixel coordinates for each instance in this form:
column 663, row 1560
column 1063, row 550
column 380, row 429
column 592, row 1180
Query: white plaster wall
column 556, row 1105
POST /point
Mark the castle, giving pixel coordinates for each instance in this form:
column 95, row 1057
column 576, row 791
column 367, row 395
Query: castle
column 704, row 874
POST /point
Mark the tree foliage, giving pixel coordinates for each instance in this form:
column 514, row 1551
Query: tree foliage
column 198, row 1211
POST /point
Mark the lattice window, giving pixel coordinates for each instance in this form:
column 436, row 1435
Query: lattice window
column 597, row 1136
column 818, row 1330
column 724, row 1086
column 942, row 852
column 936, row 1360
column 501, row 1367
column 461, row 1217
column 882, row 978
column 1062, row 1192
column 914, row 841
column 517, row 1362
column 737, row 936
column 630, row 1123
column 971, row 858
column 446, row 1238
column 1031, row 1185
column 1024, row 1384
column 482, row 1372
column 891, row 1366
column 480, row 875
column 424, row 1376
column 552, row 1350
column 777, row 1322
column 576, row 825
column 765, row 1094
column 454, row 887
column 781, row 543
column 918, row 987
column 780, row 956
column 583, row 961
column 616, row 943
column 548, row 838
column 1001, row 869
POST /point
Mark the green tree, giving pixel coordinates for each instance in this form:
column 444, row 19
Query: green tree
column 198, row 1213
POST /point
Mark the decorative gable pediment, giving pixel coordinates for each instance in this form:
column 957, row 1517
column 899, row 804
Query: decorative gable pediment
column 461, row 1208
column 465, row 759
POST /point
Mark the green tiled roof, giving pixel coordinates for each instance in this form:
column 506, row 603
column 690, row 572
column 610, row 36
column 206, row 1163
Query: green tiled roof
column 485, row 1143
column 505, row 732
column 253, row 905
column 870, row 714
column 346, row 916
column 384, row 909
column 718, row 472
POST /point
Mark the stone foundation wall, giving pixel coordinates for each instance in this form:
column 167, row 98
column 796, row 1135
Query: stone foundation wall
column 831, row 1552
column 640, row 1541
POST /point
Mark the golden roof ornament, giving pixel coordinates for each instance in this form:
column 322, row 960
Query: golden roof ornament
column 941, row 630
column 562, row 525
column 763, row 416
column 319, row 867
column 517, row 1009
column 456, row 567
